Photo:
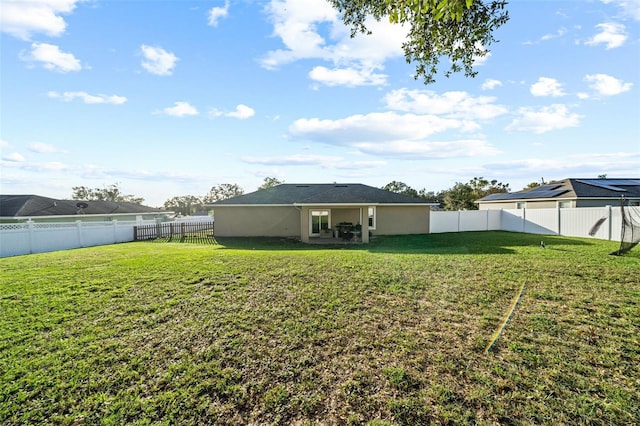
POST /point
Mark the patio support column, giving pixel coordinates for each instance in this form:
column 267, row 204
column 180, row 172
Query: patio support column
column 304, row 224
column 364, row 214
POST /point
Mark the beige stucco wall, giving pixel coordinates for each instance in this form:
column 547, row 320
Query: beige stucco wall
column 339, row 215
column 257, row 222
column 597, row 203
column 547, row 204
column 399, row 220
column 294, row 222
column 496, row 206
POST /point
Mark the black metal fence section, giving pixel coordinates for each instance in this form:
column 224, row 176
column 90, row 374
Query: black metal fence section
column 172, row 231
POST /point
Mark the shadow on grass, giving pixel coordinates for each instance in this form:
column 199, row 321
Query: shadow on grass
column 484, row 242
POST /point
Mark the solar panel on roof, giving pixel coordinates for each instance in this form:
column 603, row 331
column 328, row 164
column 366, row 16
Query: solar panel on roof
column 629, row 182
column 609, row 186
column 525, row 195
column 544, row 194
column 545, row 187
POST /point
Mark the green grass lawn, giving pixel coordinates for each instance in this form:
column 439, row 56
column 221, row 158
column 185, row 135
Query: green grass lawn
column 269, row 331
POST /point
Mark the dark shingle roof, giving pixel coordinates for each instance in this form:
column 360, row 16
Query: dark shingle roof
column 35, row 205
column 327, row 193
column 575, row 188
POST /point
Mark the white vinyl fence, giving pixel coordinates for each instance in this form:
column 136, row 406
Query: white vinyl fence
column 576, row 222
column 38, row 237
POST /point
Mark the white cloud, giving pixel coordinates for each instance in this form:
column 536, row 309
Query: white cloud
column 14, row 157
column 618, row 163
column 450, row 104
column 630, row 8
column 546, row 86
column 430, row 150
column 481, row 60
column 559, row 33
column 217, row 13
column 311, row 29
column 349, row 77
column 157, row 60
column 180, row 109
column 553, row 117
column 490, row 84
column 52, row 58
column 611, row 34
column 242, row 112
column 42, row 148
column 376, row 127
column 324, row 161
column 22, row 18
column 395, row 135
column 606, row 85
column 87, row 98
column 3, row 144
column 550, row 36
column 294, row 160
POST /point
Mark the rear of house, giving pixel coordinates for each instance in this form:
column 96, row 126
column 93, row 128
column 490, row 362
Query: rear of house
column 308, row 211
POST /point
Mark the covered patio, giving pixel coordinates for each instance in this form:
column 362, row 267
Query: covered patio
column 330, row 224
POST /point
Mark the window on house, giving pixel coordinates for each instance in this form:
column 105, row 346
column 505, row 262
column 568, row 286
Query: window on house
column 564, row 204
column 372, row 218
column 520, row 205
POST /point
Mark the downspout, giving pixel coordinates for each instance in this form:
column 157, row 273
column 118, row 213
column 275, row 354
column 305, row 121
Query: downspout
column 303, row 232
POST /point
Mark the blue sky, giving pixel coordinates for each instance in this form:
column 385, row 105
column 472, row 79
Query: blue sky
column 170, row 98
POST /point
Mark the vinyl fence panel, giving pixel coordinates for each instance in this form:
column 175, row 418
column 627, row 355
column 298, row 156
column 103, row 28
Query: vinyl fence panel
column 444, row 222
column 38, row 237
column 578, row 222
column 512, row 220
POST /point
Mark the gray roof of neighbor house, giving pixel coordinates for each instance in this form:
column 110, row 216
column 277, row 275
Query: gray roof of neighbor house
column 321, row 193
column 35, row 205
column 574, row 188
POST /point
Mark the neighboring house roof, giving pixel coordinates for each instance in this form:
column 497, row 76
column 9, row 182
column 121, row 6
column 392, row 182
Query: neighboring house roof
column 323, row 193
column 35, row 205
column 574, row 189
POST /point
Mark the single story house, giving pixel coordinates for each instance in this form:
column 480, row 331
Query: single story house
column 568, row 193
column 309, row 211
column 20, row 208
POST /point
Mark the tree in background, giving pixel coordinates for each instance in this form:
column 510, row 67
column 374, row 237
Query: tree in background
column 270, row 182
column 107, row 193
column 462, row 196
column 403, row 188
column 457, row 30
column 429, row 195
column 400, row 188
column 185, row 205
column 222, row 192
column 532, row 185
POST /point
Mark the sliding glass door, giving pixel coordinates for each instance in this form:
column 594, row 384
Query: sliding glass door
column 320, row 220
